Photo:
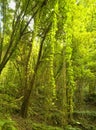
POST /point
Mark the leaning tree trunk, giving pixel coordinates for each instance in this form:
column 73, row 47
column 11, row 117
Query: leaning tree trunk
column 25, row 104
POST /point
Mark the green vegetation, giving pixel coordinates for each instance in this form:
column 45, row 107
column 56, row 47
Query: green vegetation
column 44, row 127
column 7, row 125
column 48, row 64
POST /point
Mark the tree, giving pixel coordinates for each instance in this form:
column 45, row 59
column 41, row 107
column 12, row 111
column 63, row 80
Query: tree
column 49, row 49
column 19, row 26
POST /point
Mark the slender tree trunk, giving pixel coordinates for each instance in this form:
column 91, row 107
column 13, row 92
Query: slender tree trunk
column 25, row 104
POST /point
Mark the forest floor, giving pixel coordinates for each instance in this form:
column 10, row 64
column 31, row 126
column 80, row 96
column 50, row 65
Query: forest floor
column 84, row 120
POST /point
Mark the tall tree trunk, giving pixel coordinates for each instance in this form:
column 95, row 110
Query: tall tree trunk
column 25, row 104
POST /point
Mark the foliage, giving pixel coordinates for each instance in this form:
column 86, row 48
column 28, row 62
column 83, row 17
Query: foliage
column 69, row 127
column 91, row 98
column 90, row 115
column 36, row 126
column 7, row 125
column 8, row 104
column 48, row 60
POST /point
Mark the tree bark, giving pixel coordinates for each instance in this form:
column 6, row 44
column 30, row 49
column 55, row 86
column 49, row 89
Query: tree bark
column 25, row 104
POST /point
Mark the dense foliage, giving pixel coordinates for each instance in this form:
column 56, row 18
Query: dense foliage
column 48, row 62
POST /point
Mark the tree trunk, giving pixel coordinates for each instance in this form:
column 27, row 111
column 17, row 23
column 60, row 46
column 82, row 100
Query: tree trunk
column 24, row 107
column 25, row 104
